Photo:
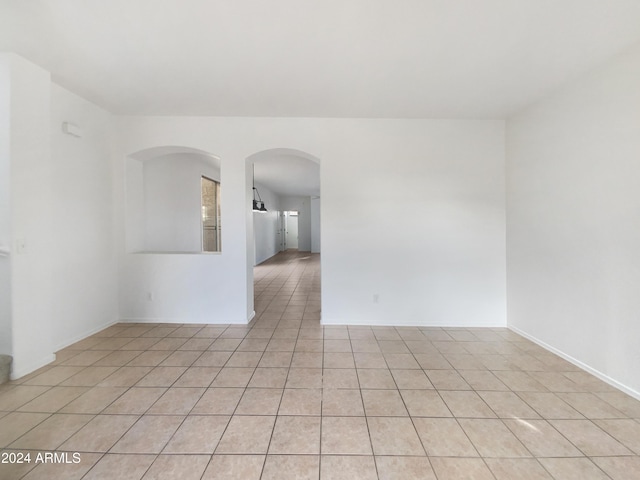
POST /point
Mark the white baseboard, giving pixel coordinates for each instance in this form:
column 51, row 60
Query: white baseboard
column 605, row 378
column 82, row 336
column 174, row 320
column 32, row 367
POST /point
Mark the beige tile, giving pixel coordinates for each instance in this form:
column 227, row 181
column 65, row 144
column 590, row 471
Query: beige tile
column 49, row 434
column 218, row 401
column 401, row 468
column 466, row 404
column 304, row 378
column 184, row 467
column 550, row 406
column 296, row 435
column 447, row 380
column 411, row 379
column 307, row 360
column 365, row 346
column 253, row 345
column 94, row 400
column 86, row 358
column 198, row 434
column 345, row 436
column 54, row 375
column 68, row 471
column 19, row 395
column 225, row 344
column 376, row 379
column 620, row 468
column 247, row 435
column 461, row 469
column 337, row 345
column 281, row 345
column 492, row 438
column 443, row 437
column 100, row 434
column 269, row 378
column 125, row 377
column 424, row 403
column 517, row 468
column 401, row 361
column 588, row 437
column 226, row 467
column 161, row 376
column 233, row 377
column 293, row 467
column 136, row 400
column 508, row 405
column 573, row 469
column 122, row 467
column 336, row 333
column 335, row 467
column 432, row 361
column 339, row 360
column 150, row 434
column 198, row 344
column 369, row 360
column 383, row 403
column 301, row 401
column 338, row 402
column 276, row 359
column 309, row 345
column 483, row 380
column 623, row 402
column 626, row 431
column 394, row 436
column 118, row 359
column 149, row 358
column 340, row 378
column 520, row 381
column 197, row 377
column 177, row 401
column 259, row 401
column 212, row 359
column 541, row 439
column 53, row 399
column 393, row 346
column 590, row 406
column 244, row 359
column 141, row 343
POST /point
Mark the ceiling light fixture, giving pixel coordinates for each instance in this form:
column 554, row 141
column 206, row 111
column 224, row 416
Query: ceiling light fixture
column 258, row 204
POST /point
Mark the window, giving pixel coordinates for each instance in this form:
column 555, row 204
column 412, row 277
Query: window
column 210, row 215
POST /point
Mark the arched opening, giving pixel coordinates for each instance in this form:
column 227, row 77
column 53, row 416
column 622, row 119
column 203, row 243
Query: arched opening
column 173, row 201
column 283, row 254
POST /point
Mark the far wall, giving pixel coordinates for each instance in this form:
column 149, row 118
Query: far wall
column 265, row 226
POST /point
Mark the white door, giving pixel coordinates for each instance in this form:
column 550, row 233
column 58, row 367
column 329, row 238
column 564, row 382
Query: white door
column 292, row 230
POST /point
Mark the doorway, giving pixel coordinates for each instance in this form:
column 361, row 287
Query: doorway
column 290, row 226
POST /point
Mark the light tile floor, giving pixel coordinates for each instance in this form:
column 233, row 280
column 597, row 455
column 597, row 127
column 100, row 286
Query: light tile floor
column 286, row 398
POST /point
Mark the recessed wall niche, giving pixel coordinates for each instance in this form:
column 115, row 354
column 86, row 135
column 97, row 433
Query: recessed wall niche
column 164, row 208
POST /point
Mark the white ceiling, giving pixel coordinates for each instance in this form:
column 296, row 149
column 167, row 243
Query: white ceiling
column 287, row 174
column 329, row 58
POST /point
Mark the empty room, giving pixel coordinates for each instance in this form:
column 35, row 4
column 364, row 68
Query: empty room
column 319, row 240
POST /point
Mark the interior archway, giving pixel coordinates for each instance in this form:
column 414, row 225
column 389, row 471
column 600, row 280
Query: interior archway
column 287, row 183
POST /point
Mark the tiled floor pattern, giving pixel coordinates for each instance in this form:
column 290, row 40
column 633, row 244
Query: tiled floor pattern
column 285, row 398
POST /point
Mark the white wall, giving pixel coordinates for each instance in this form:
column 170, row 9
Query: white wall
column 265, row 226
column 5, row 207
column 302, row 205
column 83, row 259
column 573, row 231
column 440, row 184
column 315, row 225
column 31, row 217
